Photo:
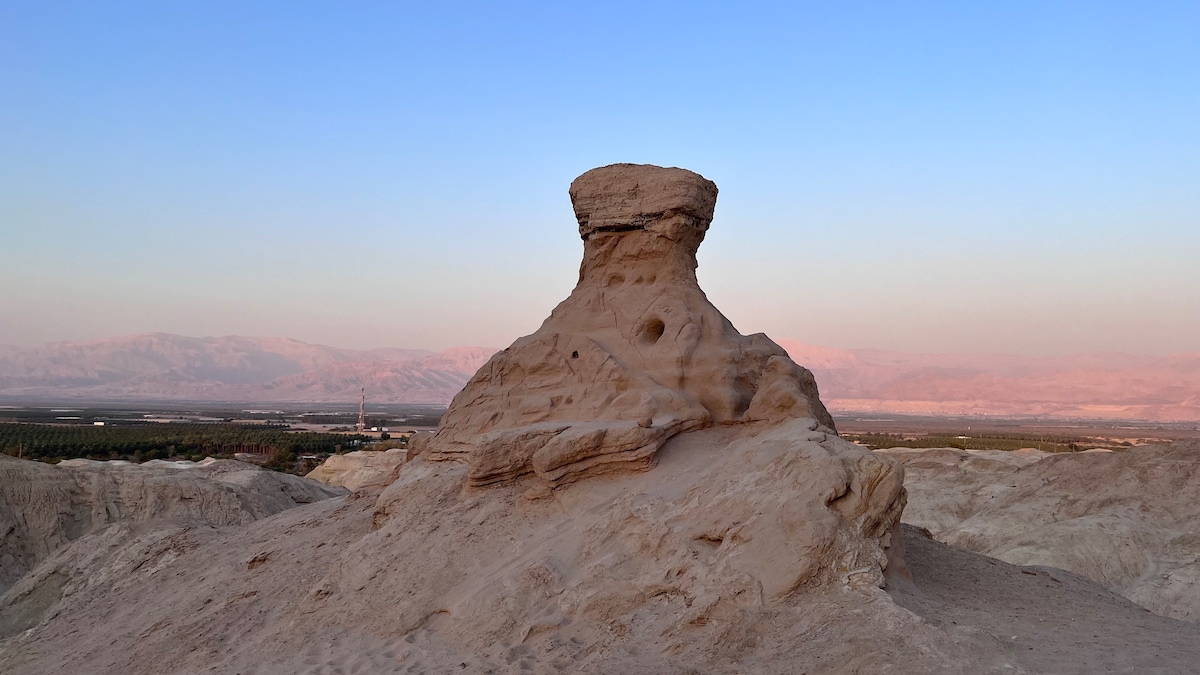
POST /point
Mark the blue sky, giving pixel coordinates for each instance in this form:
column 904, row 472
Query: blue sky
column 1020, row 177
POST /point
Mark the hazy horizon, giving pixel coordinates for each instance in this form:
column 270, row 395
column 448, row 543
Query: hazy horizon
column 1017, row 179
column 782, row 339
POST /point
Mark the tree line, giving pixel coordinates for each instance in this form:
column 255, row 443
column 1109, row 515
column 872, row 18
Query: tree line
column 162, row 441
column 1000, row 441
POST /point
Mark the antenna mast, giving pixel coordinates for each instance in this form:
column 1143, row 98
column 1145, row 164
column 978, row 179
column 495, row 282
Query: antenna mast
column 362, row 411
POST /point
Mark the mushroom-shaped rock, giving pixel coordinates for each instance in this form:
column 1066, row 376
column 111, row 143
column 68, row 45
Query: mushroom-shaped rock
column 634, row 356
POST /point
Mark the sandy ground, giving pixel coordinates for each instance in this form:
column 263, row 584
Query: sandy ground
column 987, row 617
column 1048, row 620
column 330, row 588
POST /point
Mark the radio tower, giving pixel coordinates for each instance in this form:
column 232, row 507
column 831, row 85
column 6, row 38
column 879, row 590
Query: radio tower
column 362, row 411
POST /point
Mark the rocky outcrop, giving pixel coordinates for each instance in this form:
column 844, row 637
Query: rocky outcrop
column 1127, row 520
column 360, row 468
column 44, row 507
column 637, row 358
column 635, row 355
column 754, row 497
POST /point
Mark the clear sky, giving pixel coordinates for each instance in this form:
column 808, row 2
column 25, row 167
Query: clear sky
column 957, row 176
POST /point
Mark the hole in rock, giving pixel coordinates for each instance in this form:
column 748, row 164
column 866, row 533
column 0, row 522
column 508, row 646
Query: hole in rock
column 652, row 330
column 615, row 280
column 574, row 355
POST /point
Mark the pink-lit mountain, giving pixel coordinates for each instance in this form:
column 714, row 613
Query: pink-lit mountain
column 1096, row 385
column 172, row 367
column 163, row 367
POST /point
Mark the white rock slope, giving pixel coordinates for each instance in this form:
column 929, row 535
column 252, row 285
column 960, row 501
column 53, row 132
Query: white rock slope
column 43, row 507
column 1128, row 520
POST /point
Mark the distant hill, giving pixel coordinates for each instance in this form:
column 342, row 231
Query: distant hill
column 161, row 366
column 1096, row 385
column 434, row 378
column 167, row 367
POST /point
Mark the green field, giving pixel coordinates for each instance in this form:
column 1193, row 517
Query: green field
column 1046, row 443
column 141, row 442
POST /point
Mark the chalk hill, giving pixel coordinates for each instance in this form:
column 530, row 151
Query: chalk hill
column 1127, row 520
column 44, row 507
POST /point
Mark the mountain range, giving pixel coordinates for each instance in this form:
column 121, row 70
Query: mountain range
column 1100, row 385
column 164, row 367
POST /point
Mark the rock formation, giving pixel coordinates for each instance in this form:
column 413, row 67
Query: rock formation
column 635, row 355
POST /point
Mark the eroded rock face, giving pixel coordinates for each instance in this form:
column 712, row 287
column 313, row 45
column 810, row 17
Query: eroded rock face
column 635, row 355
column 45, row 507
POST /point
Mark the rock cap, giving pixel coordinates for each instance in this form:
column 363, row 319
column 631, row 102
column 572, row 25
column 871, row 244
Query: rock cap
column 628, row 196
